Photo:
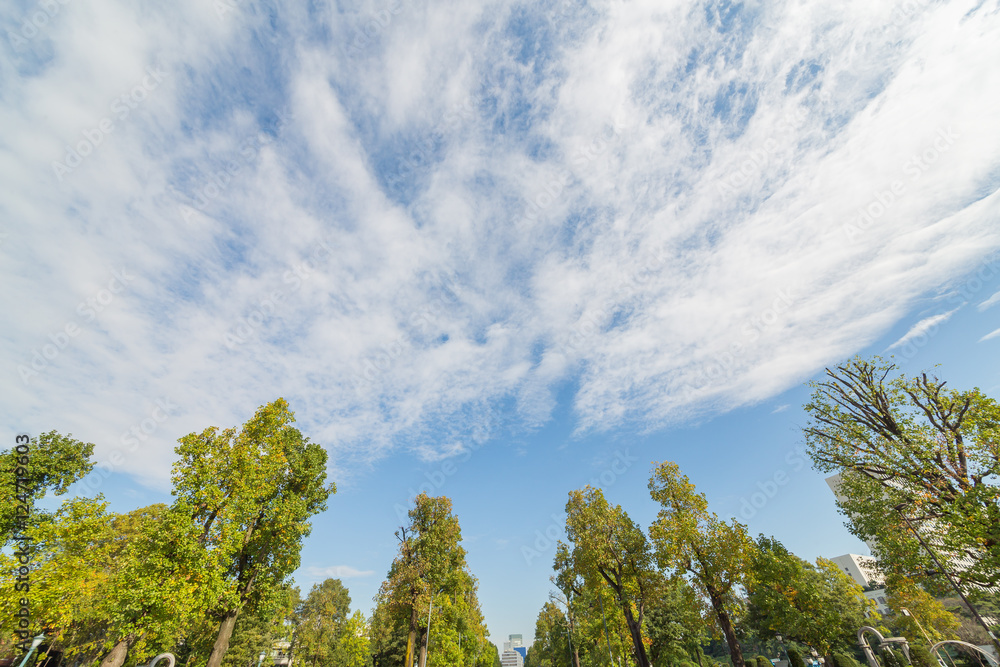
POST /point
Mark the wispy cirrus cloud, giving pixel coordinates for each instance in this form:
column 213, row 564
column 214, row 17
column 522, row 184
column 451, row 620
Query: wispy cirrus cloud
column 675, row 210
column 922, row 327
column 989, row 303
column 336, row 572
column 990, row 336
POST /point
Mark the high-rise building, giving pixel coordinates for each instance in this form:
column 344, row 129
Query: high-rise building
column 955, row 563
column 511, row 658
column 862, row 571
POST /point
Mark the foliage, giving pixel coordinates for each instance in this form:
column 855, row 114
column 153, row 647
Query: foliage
column 353, row 647
column 429, row 578
column 693, row 541
column 920, row 656
column 259, row 627
column 911, row 443
column 551, row 647
column 795, row 658
column 251, row 493
column 608, row 548
column 890, row 659
column 53, row 463
column 841, row 659
column 321, row 619
column 819, row 605
column 675, row 623
column 927, row 615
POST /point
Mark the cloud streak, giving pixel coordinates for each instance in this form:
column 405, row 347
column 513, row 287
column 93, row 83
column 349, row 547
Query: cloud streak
column 509, row 200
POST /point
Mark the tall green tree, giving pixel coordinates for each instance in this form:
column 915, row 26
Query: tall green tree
column 257, row 629
column 52, row 463
column 928, row 619
column 716, row 555
column 429, row 580
column 551, row 646
column 321, row 620
column 915, row 444
column 610, row 548
column 252, row 492
column 675, row 623
column 819, row 606
column 571, row 592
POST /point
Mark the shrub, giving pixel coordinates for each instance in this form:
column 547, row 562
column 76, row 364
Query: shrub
column 920, row 656
column 795, row 658
column 845, row 660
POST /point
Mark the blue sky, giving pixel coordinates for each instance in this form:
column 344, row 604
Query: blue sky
column 499, row 249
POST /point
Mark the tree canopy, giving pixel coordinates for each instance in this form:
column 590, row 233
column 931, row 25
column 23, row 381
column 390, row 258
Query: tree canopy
column 911, row 446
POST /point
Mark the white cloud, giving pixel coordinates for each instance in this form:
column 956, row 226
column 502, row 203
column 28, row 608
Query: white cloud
column 336, row 572
column 990, row 302
column 991, row 335
column 465, row 212
column 921, row 328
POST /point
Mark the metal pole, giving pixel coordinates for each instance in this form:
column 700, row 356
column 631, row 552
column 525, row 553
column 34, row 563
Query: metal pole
column 607, row 638
column 35, row 643
column 427, row 648
column 954, row 585
column 906, row 612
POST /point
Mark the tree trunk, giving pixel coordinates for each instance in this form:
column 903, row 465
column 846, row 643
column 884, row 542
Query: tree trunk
column 423, row 647
column 576, row 657
column 222, row 640
column 116, row 657
column 735, row 653
column 638, row 648
column 411, row 638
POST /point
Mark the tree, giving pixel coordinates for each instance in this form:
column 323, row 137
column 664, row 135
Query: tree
column 353, row 646
column 610, row 548
column 251, row 493
column 159, row 585
column 429, row 578
column 819, row 606
column 928, row 619
column 551, row 645
column 322, row 618
column 70, row 557
column 675, row 623
column 53, row 462
column 693, row 541
column 257, row 628
column 106, row 584
column 914, row 444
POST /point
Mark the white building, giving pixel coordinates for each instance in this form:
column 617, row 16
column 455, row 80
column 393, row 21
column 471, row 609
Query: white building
column 510, row 657
column 926, row 532
column 862, row 570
